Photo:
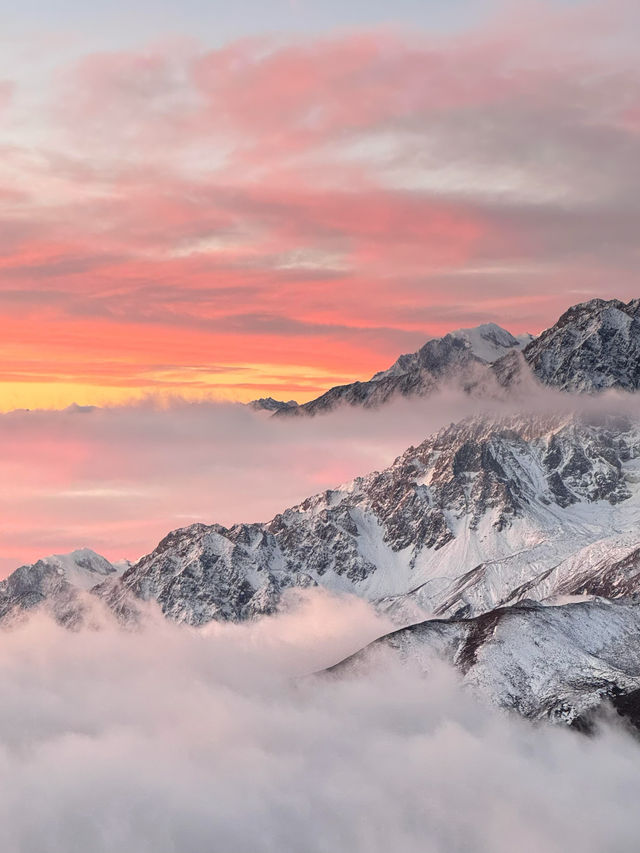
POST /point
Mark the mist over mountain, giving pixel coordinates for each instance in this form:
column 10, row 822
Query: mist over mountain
column 563, row 664
column 461, row 359
column 268, row 404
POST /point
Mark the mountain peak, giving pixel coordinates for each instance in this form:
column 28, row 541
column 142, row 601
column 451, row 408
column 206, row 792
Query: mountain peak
column 461, row 358
column 83, row 567
column 269, row 404
column 593, row 346
column 489, row 341
column 58, row 581
column 486, row 343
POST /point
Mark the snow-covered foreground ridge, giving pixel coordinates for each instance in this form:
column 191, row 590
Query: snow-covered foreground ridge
column 482, row 514
column 557, row 663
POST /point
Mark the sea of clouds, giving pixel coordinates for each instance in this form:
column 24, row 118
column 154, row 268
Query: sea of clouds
column 176, row 740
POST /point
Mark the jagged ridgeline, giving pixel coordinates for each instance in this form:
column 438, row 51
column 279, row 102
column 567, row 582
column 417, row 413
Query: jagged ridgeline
column 593, row 346
column 482, row 514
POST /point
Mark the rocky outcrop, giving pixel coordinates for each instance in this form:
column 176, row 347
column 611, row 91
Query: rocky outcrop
column 593, row 346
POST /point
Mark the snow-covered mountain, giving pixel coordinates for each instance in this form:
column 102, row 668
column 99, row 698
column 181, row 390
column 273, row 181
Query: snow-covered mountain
column 58, row 582
column 472, row 525
column 593, row 346
column 480, row 515
column 556, row 663
column 460, row 359
column 487, row 342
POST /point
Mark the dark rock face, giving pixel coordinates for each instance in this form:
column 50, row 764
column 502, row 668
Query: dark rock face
column 593, row 346
column 627, row 705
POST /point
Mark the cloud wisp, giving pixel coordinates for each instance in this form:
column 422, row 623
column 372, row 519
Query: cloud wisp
column 117, row 479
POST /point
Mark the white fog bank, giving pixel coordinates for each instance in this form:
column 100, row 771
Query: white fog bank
column 171, row 740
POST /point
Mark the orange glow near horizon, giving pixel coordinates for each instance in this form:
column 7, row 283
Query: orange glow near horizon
column 274, row 211
column 40, row 366
column 302, row 383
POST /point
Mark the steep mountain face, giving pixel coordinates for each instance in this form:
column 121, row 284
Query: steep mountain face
column 482, row 514
column 460, row 359
column 556, row 663
column 593, row 346
column 56, row 582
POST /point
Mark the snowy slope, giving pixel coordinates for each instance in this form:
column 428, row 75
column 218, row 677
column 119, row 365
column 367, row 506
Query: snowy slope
column 57, row 582
column 556, row 663
column 83, row 568
column 487, row 342
column 594, row 345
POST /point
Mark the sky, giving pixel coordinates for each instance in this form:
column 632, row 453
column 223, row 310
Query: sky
column 211, row 200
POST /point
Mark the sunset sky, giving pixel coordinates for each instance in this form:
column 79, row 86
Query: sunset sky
column 271, row 197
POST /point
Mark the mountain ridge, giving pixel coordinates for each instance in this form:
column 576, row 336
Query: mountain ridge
column 461, row 357
column 560, row 664
column 481, row 513
column 593, row 346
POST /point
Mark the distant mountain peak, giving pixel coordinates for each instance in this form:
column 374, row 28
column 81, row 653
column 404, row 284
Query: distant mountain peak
column 461, row 358
column 593, row 346
column 59, row 582
column 486, row 343
column 489, row 341
column 269, row 404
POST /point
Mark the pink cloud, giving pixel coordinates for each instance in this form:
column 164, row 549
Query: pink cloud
column 6, row 92
column 322, row 202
